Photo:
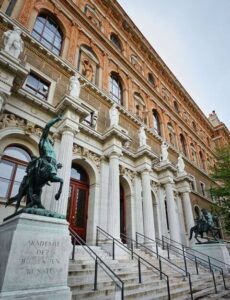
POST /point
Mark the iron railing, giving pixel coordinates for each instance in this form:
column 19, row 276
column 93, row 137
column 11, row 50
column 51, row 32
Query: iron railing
column 209, row 258
column 140, row 260
column 197, row 260
column 160, row 258
column 98, row 261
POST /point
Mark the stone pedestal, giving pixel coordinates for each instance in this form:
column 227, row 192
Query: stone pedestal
column 218, row 251
column 34, row 258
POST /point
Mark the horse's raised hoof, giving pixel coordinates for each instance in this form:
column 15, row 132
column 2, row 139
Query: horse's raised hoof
column 57, row 196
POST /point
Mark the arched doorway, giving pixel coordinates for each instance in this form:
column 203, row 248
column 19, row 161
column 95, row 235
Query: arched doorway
column 122, row 214
column 77, row 213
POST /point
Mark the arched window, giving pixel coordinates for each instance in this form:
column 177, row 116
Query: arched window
column 193, row 153
column 176, row 107
column 202, row 160
column 151, row 79
column 12, row 170
column 172, row 136
column 116, row 41
column 78, row 173
column 48, row 32
column 115, row 88
column 156, row 122
column 183, row 144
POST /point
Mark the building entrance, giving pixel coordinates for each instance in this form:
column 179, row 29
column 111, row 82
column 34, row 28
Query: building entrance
column 78, row 201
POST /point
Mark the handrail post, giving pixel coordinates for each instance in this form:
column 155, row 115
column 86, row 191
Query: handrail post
column 157, row 250
column 122, row 291
column 222, row 273
column 168, row 288
column 97, row 235
column 73, row 252
column 95, row 275
column 209, row 262
column 136, row 239
column 214, row 281
column 168, row 250
column 139, row 269
column 190, row 286
column 113, row 251
column 163, row 243
column 185, row 263
column 160, row 267
column 197, row 272
column 131, row 249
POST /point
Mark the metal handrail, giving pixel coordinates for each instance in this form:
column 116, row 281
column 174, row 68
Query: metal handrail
column 138, row 257
column 210, row 265
column 188, row 248
column 160, row 258
column 115, row 278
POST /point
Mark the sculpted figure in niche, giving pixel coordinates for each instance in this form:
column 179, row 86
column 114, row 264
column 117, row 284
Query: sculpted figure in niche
column 142, row 136
column 74, row 86
column 13, row 43
column 87, row 70
column 180, row 164
column 164, row 151
column 114, row 115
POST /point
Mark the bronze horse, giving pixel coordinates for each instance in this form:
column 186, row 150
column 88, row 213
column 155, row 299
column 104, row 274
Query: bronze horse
column 40, row 171
column 204, row 227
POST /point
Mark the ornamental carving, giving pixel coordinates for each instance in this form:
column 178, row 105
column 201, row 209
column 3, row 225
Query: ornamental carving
column 92, row 15
column 85, row 153
column 127, row 172
column 11, row 120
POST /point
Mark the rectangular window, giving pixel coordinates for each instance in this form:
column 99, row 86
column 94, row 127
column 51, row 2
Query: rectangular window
column 37, row 86
column 202, row 186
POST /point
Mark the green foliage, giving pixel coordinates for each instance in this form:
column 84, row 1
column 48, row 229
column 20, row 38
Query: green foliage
column 221, row 191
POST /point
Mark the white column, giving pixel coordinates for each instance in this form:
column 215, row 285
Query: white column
column 65, row 158
column 104, row 184
column 187, row 210
column 138, row 205
column 114, row 196
column 149, row 229
column 172, row 215
column 163, row 220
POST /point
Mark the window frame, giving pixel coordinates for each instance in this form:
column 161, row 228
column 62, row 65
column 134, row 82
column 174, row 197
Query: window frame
column 114, row 77
column 38, row 73
column 16, row 163
column 116, row 41
column 41, row 35
column 202, row 188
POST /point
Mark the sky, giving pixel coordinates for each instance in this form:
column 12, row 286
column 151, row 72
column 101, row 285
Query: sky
column 192, row 37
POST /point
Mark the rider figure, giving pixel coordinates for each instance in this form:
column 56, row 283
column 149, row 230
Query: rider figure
column 46, row 150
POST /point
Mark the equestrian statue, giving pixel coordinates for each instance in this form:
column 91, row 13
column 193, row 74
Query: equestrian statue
column 205, row 224
column 40, row 171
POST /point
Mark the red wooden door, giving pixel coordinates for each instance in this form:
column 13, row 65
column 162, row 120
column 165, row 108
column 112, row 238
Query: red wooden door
column 78, row 207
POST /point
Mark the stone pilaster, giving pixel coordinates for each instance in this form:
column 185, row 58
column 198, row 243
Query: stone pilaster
column 114, row 195
column 65, row 158
column 149, row 229
column 172, row 214
column 183, row 187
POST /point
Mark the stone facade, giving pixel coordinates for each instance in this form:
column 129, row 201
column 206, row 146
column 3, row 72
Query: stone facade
column 156, row 200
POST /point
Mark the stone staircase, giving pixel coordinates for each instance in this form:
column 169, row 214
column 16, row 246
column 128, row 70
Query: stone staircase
column 81, row 279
